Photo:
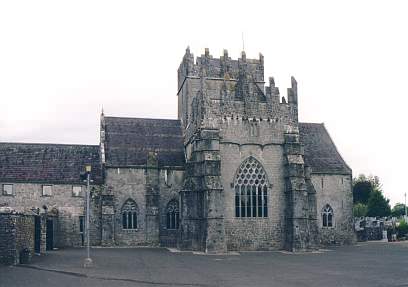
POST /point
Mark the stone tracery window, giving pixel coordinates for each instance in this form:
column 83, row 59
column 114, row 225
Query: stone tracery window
column 327, row 216
column 172, row 214
column 251, row 190
column 129, row 215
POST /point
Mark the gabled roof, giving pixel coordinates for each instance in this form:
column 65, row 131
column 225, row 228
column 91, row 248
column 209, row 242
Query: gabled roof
column 48, row 163
column 320, row 152
column 128, row 141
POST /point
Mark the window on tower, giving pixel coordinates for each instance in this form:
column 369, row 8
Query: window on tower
column 251, row 190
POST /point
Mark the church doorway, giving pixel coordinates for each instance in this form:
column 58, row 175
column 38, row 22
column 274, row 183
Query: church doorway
column 37, row 234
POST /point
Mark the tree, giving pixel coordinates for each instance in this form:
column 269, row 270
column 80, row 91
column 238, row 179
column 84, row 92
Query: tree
column 360, row 210
column 363, row 186
column 378, row 205
column 368, row 197
column 398, row 210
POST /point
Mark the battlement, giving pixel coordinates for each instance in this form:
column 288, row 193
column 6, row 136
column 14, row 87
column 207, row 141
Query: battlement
column 210, row 88
column 272, row 92
column 223, row 67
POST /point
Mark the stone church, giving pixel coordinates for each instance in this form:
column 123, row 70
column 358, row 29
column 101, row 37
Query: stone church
column 235, row 171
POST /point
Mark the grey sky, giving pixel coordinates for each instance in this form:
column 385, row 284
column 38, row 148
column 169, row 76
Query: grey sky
column 61, row 61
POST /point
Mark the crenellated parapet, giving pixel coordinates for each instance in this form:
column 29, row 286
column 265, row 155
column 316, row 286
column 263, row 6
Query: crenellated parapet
column 211, row 88
column 221, row 68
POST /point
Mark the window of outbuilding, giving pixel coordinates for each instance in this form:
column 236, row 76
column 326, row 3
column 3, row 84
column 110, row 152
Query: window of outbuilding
column 327, row 216
column 251, row 190
column 172, row 215
column 129, row 215
column 76, row 191
column 7, row 189
column 47, row 190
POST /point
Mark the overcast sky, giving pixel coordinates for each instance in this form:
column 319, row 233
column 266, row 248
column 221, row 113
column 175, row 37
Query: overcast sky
column 61, row 61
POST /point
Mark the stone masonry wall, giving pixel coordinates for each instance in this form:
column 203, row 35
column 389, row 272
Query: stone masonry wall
column 336, row 191
column 24, row 234
column 238, row 143
column 169, row 190
column 16, row 234
column 28, row 196
column 126, row 183
column 7, row 240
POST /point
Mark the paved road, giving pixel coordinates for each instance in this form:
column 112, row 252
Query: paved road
column 366, row 264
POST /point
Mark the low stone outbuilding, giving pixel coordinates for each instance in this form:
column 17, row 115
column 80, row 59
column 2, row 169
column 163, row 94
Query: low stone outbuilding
column 45, row 179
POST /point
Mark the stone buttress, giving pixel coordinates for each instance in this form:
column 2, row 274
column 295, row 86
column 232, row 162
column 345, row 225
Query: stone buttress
column 202, row 199
column 300, row 198
column 152, row 199
column 107, row 218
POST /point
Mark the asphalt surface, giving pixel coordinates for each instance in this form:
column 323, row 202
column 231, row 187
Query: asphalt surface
column 365, row 264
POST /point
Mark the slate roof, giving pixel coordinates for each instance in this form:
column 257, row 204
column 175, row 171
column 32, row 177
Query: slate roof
column 128, row 141
column 48, row 163
column 320, row 152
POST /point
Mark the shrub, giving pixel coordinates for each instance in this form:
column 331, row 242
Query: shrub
column 402, row 229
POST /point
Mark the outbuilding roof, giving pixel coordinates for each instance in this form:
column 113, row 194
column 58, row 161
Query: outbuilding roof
column 48, row 163
column 129, row 140
column 320, row 152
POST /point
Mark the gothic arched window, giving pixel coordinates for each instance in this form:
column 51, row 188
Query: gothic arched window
column 251, row 190
column 129, row 215
column 327, row 216
column 172, row 215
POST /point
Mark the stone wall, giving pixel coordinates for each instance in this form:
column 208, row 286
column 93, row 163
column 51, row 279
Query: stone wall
column 7, row 240
column 370, row 233
column 371, row 228
column 67, row 209
column 171, row 182
column 336, row 191
column 254, row 233
column 24, row 233
column 262, row 139
column 17, row 234
column 130, row 183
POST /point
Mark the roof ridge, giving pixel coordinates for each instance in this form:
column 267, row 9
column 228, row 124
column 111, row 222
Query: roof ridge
column 311, row 123
column 49, row 144
column 137, row 118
